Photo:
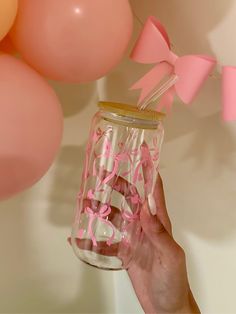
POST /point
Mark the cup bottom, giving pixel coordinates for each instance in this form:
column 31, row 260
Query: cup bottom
column 100, row 261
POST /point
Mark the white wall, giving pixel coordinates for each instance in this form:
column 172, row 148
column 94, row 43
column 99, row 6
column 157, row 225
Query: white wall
column 39, row 273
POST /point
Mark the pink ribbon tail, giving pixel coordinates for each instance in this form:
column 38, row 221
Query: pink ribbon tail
column 166, row 101
column 130, row 217
column 112, row 237
column 113, row 173
column 90, row 228
column 94, row 163
column 136, row 172
column 86, row 173
column 228, row 86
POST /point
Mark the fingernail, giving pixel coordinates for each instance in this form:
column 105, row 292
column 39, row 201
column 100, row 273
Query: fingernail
column 152, row 204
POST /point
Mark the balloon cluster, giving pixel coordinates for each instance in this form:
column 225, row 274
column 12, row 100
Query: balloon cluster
column 67, row 40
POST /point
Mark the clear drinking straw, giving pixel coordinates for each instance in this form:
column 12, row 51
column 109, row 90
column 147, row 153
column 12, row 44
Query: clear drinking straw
column 153, row 96
column 157, row 92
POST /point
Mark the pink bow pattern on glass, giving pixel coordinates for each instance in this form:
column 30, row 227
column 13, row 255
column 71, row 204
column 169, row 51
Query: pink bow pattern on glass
column 122, row 156
column 134, row 197
column 228, row 87
column 145, row 160
column 155, row 149
column 130, row 217
column 153, row 47
column 99, row 133
column 101, row 215
column 136, row 159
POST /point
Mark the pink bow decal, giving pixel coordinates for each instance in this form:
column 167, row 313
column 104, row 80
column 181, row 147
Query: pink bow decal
column 130, row 218
column 145, row 159
column 153, row 47
column 123, row 156
column 104, row 211
column 229, row 93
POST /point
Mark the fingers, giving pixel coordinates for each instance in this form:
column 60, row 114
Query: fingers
column 159, row 194
column 156, row 232
column 156, row 198
column 167, row 249
column 124, row 187
column 161, row 212
column 118, row 183
column 157, row 205
column 148, row 168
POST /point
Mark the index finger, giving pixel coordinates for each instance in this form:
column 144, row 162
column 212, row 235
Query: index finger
column 162, row 212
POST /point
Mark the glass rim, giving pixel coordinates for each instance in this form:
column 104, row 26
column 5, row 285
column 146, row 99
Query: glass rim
column 126, row 110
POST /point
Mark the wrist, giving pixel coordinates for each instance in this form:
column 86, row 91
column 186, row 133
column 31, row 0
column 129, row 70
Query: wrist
column 192, row 307
column 188, row 309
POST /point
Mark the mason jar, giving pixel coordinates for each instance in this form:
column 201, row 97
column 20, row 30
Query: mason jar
column 120, row 171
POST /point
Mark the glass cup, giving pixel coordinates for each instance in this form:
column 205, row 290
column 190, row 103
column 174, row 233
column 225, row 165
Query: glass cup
column 120, row 171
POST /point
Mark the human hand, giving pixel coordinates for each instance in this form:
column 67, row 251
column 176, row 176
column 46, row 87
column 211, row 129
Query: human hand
column 159, row 274
column 158, row 271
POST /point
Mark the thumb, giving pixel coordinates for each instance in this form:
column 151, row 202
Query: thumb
column 155, row 231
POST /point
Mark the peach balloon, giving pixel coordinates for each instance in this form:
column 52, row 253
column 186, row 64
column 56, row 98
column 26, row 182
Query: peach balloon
column 8, row 9
column 30, row 126
column 73, row 40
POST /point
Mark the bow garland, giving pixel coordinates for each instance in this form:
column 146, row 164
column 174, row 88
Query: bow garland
column 153, row 47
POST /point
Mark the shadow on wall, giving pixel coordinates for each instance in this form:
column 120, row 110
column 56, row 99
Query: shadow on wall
column 198, row 175
column 62, row 199
column 91, row 296
column 24, row 286
column 118, row 82
column 65, row 185
column 212, row 142
column 188, row 22
column 79, row 96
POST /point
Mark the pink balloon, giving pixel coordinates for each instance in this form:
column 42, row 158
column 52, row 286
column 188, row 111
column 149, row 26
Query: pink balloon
column 73, row 40
column 30, row 126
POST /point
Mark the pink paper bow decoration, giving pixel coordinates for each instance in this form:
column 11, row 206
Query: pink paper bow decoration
column 229, row 93
column 153, row 47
